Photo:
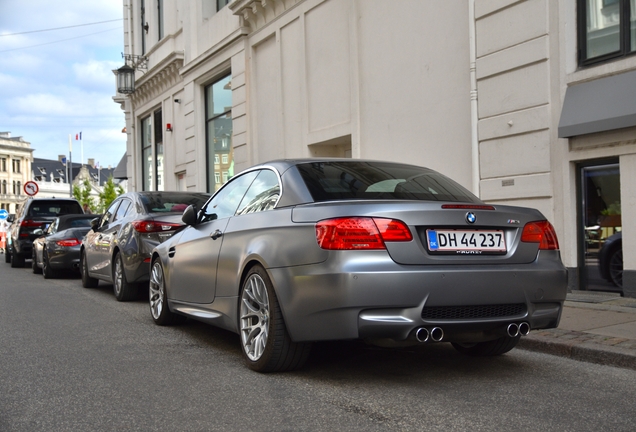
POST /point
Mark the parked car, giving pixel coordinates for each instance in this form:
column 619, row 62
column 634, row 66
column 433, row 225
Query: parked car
column 296, row 251
column 32, row 215
column 58, row 247
column 610, row 259
column 118, row 246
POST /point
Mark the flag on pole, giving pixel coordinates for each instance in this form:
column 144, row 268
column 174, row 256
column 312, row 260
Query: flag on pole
column 78, row 137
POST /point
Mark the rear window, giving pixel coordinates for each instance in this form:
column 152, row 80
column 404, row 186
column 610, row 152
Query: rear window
column 54, row 208
column 172, row 202
column 351, row 180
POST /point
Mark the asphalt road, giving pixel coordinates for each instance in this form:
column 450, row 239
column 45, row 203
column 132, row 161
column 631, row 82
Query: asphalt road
column 75, row 359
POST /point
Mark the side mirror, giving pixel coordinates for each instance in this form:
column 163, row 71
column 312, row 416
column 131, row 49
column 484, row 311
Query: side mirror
column 11, row 218
column 38, row 231
column 94, row 224
column 189, row 216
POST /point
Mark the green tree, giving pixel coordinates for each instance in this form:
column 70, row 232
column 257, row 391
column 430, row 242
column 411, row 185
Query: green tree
column 108, row 194
column 83, row 194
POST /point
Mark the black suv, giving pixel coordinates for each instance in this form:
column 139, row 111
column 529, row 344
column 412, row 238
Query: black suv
column 33, row 214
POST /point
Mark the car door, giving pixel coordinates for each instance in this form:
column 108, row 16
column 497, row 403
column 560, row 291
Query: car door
column 194, row 258
column 98, row 244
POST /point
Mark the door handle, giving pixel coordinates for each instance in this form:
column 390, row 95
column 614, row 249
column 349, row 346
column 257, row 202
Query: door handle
column 216, row 234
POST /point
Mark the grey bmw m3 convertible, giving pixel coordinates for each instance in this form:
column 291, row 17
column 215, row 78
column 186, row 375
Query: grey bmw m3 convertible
column 295, row 251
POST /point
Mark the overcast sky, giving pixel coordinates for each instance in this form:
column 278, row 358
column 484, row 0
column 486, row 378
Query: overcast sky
column 60, row 82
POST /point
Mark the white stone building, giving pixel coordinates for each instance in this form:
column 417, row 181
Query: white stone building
column 526, row 102
column 15, row 170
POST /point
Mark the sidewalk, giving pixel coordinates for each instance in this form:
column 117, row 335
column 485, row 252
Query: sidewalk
column 595, row 327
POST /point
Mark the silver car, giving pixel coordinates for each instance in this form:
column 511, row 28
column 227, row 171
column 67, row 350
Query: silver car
column 296, row 251
column 118, row 246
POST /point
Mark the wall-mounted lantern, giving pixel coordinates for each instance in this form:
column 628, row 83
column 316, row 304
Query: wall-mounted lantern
column 126, row 73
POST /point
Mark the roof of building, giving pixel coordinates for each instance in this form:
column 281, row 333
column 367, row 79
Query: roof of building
column 54, row 170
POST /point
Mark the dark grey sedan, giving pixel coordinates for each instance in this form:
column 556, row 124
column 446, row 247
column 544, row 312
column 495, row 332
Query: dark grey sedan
column 59, row 246
column 117, row 248
column 296, row 251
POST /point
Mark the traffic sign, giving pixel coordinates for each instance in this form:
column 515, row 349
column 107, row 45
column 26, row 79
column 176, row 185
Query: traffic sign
column 31, row 188
column 3, row 214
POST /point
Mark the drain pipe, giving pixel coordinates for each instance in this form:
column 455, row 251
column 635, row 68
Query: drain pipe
column 474, row 137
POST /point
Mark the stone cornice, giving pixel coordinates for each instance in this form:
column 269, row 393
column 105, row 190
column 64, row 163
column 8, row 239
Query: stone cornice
column 255, row 14
column 157, row 80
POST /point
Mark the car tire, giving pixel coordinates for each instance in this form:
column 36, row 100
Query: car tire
column 158, row 298
column 123, row 290
column 87, row 281
column 488, row 349
column 17, row 260
column 7, row 256
column 265, row 343
column 615, row 267
column 47, row 271
column 34, row 264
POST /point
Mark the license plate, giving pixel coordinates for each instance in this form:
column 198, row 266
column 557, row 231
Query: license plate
column 468, row 242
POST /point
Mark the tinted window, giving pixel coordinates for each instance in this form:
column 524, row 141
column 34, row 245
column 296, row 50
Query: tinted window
column 350, row 180
column 54, row 208
column 262, row 195
column 172, row 201
column 109, row 214
column 227, row 199
column 123, row 209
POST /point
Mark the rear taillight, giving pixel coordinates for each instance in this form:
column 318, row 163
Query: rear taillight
column 149, row 226
column 353, row 233
column 541, row 232
column 68, row 242
column 28, row 223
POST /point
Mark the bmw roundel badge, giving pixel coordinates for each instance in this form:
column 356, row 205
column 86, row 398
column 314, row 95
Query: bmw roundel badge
column 471, row 218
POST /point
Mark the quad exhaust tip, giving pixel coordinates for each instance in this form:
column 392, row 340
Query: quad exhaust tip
column 515, row 329
column 423, row 334
column 437, row 334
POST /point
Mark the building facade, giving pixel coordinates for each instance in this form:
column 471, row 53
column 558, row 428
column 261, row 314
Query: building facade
column 15, row 170
column 515, row 99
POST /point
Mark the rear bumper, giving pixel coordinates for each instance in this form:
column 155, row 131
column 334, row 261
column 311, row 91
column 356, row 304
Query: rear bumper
column 66, row 259
column 367, row 295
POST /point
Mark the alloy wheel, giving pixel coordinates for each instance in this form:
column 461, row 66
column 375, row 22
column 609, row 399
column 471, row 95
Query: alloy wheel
column 118, row 276
column 157, row 292
column 255, row 312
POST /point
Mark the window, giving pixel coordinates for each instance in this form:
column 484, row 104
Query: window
column 3, row 164
column 144, row 28
column 262, row 195
column 218, row 135
column 225, row 159
column 220, row 4
column 226, row 201
column 123, row 208
column 217, row 178
column 16, row 166
column 160, row 18
column 607, row 29
column 152, row 152
column 4, row 187
column 108, row 215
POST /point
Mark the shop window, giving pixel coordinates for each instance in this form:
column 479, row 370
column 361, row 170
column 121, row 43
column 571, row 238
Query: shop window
column 601, row 219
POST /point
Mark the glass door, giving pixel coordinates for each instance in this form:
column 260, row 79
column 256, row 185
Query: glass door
column 600, row 211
